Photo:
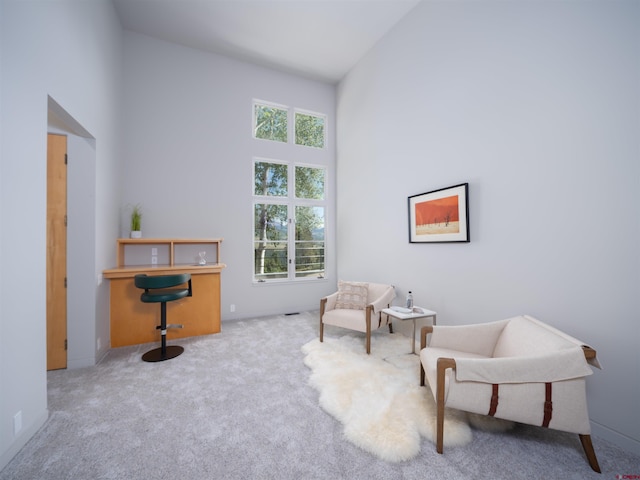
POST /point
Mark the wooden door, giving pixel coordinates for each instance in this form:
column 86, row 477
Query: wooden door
column 56, row 252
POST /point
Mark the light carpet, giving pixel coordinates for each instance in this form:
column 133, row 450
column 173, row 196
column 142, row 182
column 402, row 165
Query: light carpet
column 237, row 406
column 378, row 398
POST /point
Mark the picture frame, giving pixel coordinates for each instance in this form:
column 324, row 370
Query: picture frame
column 440, row 216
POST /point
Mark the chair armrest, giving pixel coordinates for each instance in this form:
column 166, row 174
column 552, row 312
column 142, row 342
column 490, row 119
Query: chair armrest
column 553, row 366
column 384, row 300
column 329, row 303
column 589, row 353
column 424, row 331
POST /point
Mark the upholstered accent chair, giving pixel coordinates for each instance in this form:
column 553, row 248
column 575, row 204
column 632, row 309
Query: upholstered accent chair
column 357, row 306
column 519, row 369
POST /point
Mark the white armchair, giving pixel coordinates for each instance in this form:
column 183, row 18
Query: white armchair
column 357, row 306
column 518, row 369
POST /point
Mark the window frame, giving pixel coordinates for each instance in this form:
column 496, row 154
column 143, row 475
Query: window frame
column 292, row 202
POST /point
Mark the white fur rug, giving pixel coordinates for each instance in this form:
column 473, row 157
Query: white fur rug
column 378, row 397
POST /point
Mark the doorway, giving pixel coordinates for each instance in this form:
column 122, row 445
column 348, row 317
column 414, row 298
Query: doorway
column 87, row 298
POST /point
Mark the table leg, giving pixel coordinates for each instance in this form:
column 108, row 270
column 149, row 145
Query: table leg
column 413, row 338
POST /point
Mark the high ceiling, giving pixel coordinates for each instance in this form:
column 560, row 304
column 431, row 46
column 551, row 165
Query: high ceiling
column 319, row 39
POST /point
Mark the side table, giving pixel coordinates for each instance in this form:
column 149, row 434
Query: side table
column 416, row 313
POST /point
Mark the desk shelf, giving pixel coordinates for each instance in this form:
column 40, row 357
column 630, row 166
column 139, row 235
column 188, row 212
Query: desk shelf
column 169, row 251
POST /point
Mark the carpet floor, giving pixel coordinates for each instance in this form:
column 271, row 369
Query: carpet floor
column 238, row 405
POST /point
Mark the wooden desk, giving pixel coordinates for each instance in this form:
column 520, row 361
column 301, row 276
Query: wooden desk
column 134, row 322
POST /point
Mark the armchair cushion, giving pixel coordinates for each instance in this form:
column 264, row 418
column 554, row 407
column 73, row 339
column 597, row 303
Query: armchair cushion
column 347, row 318
column 480, row 339
column 352, row 295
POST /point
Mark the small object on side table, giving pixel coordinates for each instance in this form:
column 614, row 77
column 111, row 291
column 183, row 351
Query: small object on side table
column 413, row 314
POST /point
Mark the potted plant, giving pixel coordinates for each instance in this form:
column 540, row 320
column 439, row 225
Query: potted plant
column 136, row 219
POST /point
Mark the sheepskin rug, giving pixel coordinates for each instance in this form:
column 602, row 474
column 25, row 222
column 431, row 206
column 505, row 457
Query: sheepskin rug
column 378, row 397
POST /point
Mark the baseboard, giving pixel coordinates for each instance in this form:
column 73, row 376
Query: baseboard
column 73, row 363
column 22, row 439
column 268, row 313
column 102, row 355
column 625, row 442
column 87, row 361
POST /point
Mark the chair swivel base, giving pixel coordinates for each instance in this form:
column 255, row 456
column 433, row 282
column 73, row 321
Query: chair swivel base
column 157, row 355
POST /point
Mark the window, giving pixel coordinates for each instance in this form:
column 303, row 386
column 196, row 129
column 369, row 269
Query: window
column 288, row 198
column 310, row 129
column 270, row 122
column 289, row 224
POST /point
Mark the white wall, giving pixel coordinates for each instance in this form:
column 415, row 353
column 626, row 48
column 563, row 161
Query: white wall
column 81, row 287
column 188, row 150
column 4, row 373
column 535, row 104
column 70, row 51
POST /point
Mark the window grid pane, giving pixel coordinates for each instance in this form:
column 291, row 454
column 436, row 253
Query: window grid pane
column 270, row 179
column 309, row 241
column 271, row 245
column 310, row 182
column 271, row 123
column 309, row 130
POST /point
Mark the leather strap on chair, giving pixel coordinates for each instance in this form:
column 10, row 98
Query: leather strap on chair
column 548, row 405
column 494, row 401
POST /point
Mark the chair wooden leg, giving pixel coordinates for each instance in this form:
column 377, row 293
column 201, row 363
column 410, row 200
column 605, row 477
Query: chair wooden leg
column 368, row 329
column 442, row 366
column 590, row 452
column 323, row 303
column 440, row 415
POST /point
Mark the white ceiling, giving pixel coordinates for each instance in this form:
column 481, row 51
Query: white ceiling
column 320, row 39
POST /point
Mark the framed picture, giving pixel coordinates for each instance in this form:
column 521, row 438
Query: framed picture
column 440, row 216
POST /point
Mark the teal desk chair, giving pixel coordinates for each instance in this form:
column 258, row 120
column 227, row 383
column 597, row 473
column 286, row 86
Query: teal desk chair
column 160, row 289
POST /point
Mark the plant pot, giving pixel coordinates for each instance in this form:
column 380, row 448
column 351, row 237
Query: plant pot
column 136, row 234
